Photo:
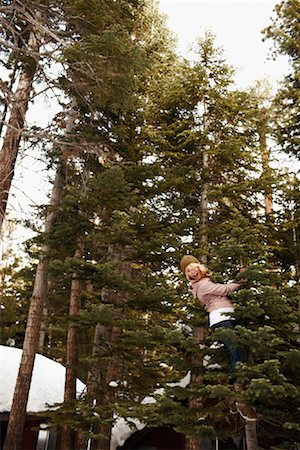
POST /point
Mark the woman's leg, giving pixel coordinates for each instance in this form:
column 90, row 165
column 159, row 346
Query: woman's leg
column 236, row 354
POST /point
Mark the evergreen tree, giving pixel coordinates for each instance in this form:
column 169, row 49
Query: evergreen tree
column 101, row 37
column 285, row 31
column 111, row 142
column 201, row 113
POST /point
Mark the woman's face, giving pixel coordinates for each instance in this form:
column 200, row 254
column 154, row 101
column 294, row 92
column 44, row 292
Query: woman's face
column 192, row 272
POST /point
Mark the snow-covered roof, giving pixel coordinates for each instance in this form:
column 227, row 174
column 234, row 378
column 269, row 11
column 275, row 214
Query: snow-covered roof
column 47, row 384
column 122, row 431
column 124, row 428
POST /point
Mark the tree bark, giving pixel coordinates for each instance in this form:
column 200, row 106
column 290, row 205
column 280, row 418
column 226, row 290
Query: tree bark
column 204, row 211
column 108, row 372
column 266, row 167
column 68, row 435
column 192, row 442
column 43, row 330
column 93, row 380
column 103, row 372
column 18, row 410
column 111, row 374
column 203, row 207
column 8, row 90
column 11, row 141
column 72, row 346
column 251, row 437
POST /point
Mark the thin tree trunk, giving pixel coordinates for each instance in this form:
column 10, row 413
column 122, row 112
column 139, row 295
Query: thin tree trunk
column 11, row 141
column 8, row 95
column 194, row 443
column 266, row 168
column 203, row 213
column 68, row 435
column 191, row 442
column 42, row 336
column 110, row 374
column 18, row 410
column 251, row 437
column 250, row 427
column 99, row 377
column 93, row 381
column 72, row 346
column 102, row 372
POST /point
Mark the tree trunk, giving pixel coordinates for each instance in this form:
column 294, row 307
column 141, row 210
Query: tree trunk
column 203, row 207
column 18, row 410
column 108, row 372
column 7, row 90
column 194, row 443
column 68, row 435
column 102, row 373
column 43, row 329
column 72, row 346
column 191, row 442
column 99, row 377
column 93, row 381
column 11, row 141
column 251, row 437
column 204, row 212
column 266, row 167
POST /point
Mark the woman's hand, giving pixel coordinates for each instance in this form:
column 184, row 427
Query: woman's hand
column 240, row 277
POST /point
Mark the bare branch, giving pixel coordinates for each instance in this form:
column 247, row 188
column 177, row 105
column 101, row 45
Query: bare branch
column 5, row 90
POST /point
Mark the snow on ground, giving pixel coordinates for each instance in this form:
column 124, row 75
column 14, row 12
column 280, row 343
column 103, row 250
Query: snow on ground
column 47, row 384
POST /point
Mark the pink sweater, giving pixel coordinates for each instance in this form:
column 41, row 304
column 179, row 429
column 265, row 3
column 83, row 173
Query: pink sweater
column 213, row 295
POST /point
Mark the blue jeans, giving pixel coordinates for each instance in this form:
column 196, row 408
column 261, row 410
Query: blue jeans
column 236, row 354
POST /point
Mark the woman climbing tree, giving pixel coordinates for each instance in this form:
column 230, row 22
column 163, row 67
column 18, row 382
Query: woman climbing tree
column 214, row 297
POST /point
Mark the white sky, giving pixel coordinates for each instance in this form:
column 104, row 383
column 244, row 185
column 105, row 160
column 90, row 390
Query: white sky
column 237, row 25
